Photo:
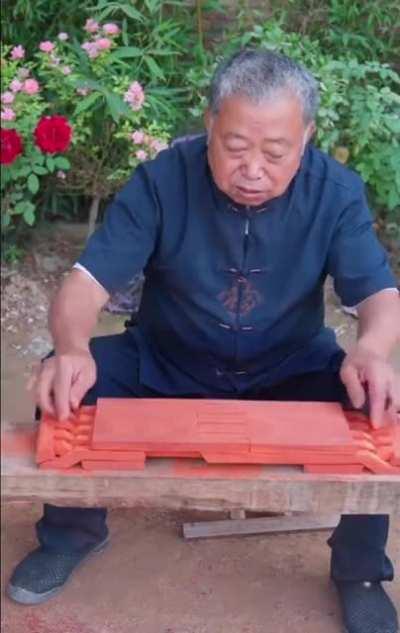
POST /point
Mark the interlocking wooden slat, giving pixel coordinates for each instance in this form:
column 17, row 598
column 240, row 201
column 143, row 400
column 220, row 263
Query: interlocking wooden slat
column 191, row 483
column 120, row 432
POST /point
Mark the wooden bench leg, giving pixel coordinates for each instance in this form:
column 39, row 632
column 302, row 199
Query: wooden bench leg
column 263, row 525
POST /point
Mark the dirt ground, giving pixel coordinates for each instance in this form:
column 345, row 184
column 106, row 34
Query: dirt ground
column 149, row 580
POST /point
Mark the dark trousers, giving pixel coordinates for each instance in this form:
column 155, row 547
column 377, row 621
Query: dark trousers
column 357, row 544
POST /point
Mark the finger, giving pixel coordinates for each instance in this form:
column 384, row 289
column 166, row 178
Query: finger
column 378, row 396
column 393, row 411
column 351, row 379
column 393, row 415
column 80, row 387
column 44, row 391
column 395, row 392
column 33, row 378
column 31, row 383
column 62, row 389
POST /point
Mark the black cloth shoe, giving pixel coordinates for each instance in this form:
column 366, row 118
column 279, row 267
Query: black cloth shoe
column 367, row 608
column 42, row 574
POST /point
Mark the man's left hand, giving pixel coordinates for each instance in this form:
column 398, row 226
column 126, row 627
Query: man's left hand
column 366, row 375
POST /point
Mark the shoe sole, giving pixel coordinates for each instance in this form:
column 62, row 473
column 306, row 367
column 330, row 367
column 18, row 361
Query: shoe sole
column 346, row 630
column 24, row 596
column 387, row 631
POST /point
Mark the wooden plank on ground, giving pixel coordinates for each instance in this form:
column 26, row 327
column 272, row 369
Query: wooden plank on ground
column 186, row 483
column 261, row 525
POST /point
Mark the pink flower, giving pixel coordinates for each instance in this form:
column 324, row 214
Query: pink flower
column 16, row 85
column 103, row 43
column 158, row 145
column 138, row 137
column 31, row 86
column 18, row 52
column 82, row 91
column 141, row 154
column 91, row 26
column 23, row 73
column 111, row 29
column 61, row 174
column 63, row 37
column 135, row 96
column 91, row 49
column 7, row 114
column 46, row 47
column 66, row 70
column 7, row 97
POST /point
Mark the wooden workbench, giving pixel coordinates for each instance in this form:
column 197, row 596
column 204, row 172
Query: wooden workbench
column 192, row 484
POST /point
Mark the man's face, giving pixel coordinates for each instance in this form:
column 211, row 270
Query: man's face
column 254, row 150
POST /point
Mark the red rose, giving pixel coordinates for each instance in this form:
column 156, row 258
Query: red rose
column 11, row 146
column 53, row 134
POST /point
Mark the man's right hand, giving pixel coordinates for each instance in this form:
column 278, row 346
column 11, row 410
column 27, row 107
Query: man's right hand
column 61, row 381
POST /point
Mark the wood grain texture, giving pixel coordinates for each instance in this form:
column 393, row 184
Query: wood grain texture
column 262, row 525
column 188, row 483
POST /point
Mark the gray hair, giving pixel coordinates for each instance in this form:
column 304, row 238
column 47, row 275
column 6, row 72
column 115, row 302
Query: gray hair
column 258, row 74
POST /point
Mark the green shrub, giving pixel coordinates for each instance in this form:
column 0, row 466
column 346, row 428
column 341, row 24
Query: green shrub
column 27, row 22
column 366, row 29
column 358, row 120
column 347, row 44
column 116, row 97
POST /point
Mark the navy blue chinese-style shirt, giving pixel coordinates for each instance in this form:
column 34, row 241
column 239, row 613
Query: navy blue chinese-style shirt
column 233, row 295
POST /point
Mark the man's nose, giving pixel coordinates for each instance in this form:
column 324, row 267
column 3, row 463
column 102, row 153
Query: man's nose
column 253, row 167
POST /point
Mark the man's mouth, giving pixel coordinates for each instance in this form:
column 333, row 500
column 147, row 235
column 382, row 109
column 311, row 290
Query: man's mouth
column 249, row 192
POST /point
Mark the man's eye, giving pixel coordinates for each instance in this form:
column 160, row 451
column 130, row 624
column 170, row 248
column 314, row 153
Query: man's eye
column 236, row 150
column 274, row 156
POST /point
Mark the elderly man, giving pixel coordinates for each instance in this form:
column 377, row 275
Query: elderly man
column 236, row 232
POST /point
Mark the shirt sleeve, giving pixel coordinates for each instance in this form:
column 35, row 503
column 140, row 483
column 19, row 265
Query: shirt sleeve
column 356, row 260
column 122, row 246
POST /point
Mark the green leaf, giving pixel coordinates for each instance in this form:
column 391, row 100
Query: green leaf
column 153, row 67
column 114, row 111
column 104, row 9
column 116, row 106
column 50, row 163
column 29, row 215
column 16, row 196
column 23, row 207
column 18, row 209
column 87, row 102
column 33, row 183
column 126, row 52
column 23, row 171
column 61, row 162
column 39, row 170
column 132, row 13
column 5, row 219
column 89, row 83
column 394, row 125
column 393, row 199
column 125, row 37
column 162, row 53
column 152, row 5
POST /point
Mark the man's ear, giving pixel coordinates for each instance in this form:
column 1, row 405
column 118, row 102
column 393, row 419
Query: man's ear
column 311, row 129
column 308, row 134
